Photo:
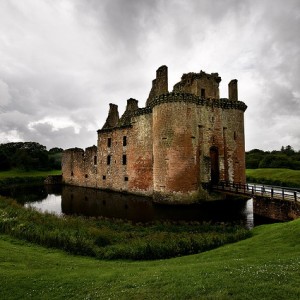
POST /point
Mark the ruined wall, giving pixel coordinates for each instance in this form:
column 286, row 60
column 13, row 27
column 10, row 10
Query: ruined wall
column 79, row 167
column 200, row 84
column 125, row 157
column 111, row 169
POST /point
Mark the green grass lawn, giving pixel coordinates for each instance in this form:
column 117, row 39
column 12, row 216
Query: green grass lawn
column 21, row 173
column 282, row 177
column 265, row 266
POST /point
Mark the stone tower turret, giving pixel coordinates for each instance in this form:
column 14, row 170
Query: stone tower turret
column 160, row 84
column 112, row 118
column 131, row 107
column 233, row 90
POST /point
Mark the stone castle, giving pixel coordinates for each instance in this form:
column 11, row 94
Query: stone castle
column 168, row 149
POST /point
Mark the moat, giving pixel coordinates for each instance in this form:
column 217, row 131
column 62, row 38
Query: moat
column 71, row 200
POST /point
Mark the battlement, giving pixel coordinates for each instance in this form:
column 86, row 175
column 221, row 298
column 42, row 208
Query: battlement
column 191, row 98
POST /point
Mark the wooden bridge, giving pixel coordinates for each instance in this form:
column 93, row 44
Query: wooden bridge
column 258, row 190
column 273, row 202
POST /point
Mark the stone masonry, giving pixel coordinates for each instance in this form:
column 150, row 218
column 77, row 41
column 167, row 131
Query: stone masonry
column 170, row 148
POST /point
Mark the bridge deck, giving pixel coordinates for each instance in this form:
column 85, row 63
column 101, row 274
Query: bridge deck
column 259, row 190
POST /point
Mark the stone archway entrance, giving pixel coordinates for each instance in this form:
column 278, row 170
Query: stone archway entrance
column 214, row 165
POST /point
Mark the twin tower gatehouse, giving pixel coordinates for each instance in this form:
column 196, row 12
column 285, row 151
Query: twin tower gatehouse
column 168, row 149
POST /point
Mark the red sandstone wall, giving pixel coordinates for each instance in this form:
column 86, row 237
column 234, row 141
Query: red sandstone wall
column 136, row 175
column 183, row 134
column 175, row 147
column 140, row 155
column 78, row 167
column 193, row 83
column 112, row 176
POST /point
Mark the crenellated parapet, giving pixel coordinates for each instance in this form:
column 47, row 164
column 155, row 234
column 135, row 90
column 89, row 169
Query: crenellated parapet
column 190, row 98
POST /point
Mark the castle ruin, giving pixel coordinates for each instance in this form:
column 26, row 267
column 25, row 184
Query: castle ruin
column 168, row 149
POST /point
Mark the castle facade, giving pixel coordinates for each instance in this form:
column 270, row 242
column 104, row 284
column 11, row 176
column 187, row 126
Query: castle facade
column 168, row 149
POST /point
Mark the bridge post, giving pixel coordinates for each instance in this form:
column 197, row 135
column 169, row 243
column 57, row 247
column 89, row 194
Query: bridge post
column 282, row 194
column 295, row 196
column 272, row 193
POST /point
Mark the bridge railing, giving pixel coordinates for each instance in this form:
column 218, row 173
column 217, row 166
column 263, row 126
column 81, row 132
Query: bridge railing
column 251, row 189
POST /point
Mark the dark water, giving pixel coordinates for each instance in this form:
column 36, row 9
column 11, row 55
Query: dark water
column 71, row 200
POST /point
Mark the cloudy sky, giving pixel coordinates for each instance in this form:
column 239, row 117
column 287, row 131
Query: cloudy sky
column 63, row 61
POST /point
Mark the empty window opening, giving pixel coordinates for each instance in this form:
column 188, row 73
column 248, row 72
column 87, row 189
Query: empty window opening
column 108, row 159
column 234, row 135
column 124, row 159
column 164, row 138
column 72, row 174
column 86, row 176
column 203, row 93
column 125, row 178
column 109, row 142
column 124, row 140
column 95, row 160
column 104, row 177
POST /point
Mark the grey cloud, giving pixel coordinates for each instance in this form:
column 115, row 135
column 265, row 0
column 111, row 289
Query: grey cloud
column 66, row 60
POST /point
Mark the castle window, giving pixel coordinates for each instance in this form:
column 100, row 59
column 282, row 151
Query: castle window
column 109, row 142
column 124, row 159
column 95, row 160
column 86, row 176
column 104, row 177
column 108, row 159
column 124, row 140
column 125, row 178
column 234, row 135
column 72, row 174
column 202, row 93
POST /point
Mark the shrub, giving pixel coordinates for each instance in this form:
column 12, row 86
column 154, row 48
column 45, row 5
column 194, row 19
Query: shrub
column 114, row 239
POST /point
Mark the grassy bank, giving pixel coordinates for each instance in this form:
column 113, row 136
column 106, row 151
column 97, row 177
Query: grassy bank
column 107, row 239
column 21, row 173
column 279, row 177
column 265, row 266
column 20, row 177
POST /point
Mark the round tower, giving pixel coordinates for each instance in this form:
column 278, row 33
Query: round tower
column 175, row 148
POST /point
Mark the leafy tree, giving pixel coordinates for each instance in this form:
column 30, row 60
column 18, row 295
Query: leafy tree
column 4, row 161
column 56, row 150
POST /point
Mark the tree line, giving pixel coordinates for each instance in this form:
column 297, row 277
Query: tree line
column 34, row 156
column 29, row 156
column 286, row 157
